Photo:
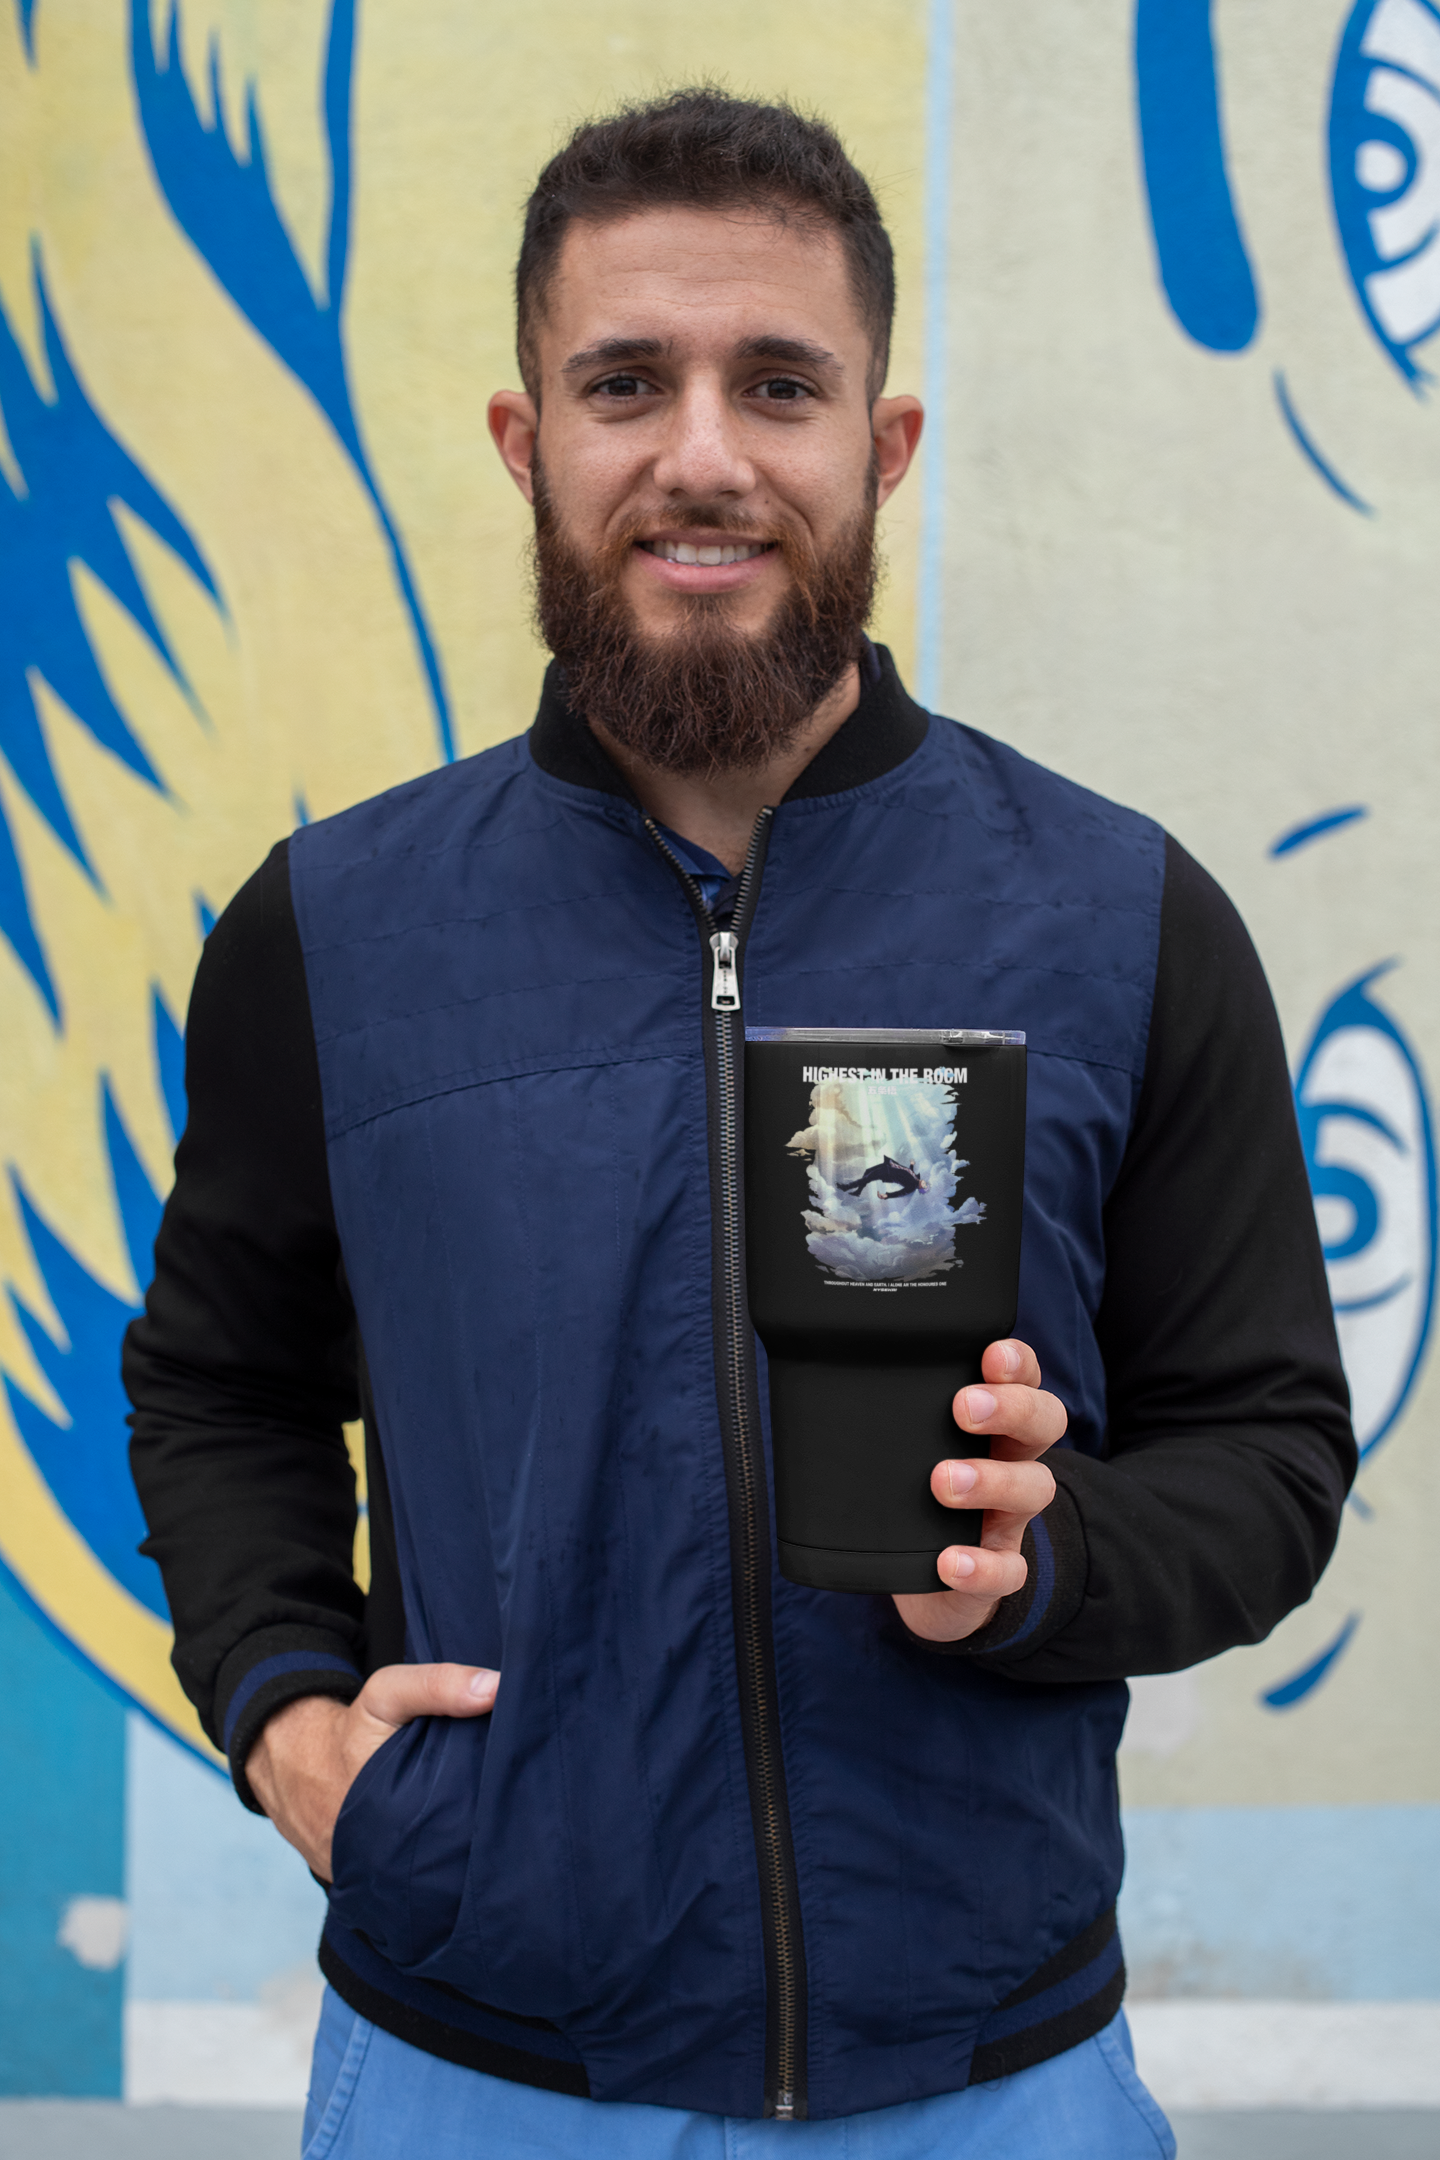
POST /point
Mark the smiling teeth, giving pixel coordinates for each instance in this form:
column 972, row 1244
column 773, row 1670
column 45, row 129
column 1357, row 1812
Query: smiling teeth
column 708, row 558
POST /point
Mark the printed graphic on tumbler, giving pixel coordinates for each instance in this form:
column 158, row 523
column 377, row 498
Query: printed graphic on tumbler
column 884, row 1174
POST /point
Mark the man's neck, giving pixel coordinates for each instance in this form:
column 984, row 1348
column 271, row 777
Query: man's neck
column 718, row 810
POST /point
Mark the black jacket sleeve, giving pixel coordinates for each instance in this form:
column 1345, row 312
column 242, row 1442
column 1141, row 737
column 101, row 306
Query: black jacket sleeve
column 1229, row 1449
column 242, row 1369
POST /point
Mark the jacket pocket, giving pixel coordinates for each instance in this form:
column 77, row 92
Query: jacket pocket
column 402, row 1841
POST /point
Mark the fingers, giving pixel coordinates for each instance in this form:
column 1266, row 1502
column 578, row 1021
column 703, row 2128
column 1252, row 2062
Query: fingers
column 398, row 1693
column 970, row 1583
column 1013, row 1361
column 1026, row 1419
column 1018, row 1489
column 1020, row 1420
column 980, row 1573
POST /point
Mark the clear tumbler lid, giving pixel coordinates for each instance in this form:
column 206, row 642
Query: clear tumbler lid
column 968, row 1038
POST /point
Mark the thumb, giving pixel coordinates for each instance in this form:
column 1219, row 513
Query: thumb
column 397, row 1693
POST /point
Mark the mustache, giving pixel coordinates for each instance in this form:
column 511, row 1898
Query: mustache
column 788, row 536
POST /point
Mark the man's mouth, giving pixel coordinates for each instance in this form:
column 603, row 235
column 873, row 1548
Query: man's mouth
column 706, row 557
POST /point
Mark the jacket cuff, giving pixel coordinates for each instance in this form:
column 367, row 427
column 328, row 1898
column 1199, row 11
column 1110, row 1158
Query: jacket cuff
column 1057, row 1565
column 263, row 1673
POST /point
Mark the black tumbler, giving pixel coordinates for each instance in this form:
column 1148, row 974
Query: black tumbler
column 884, row 1176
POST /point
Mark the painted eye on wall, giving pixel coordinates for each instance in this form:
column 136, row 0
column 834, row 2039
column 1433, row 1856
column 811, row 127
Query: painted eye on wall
column 1385, row 169
column 1365, row 1124
column 1382, row 168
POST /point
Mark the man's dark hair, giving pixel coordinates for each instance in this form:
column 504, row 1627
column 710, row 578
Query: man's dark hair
column 703, row 149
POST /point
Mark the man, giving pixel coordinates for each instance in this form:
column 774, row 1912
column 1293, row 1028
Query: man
column 464, row 1152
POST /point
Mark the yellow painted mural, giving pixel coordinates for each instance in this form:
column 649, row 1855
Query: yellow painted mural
column 255, row 265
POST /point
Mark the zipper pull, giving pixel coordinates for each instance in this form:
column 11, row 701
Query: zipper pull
column 725, row 989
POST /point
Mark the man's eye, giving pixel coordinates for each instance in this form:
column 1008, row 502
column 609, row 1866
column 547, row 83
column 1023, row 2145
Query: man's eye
column 622, row 386
column 784, row 390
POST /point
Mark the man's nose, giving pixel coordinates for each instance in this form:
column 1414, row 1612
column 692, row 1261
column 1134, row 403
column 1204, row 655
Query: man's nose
column 703, row 454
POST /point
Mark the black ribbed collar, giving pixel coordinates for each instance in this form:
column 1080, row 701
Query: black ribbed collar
column 886, row 727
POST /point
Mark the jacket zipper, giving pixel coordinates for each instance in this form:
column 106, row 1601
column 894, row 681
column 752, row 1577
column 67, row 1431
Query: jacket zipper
column 749, row 1501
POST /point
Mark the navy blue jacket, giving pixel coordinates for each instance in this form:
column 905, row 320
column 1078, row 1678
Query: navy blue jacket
column 725, row 1843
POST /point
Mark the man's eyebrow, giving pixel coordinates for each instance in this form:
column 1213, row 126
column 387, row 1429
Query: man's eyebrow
column 610, row 351
column 798, row 352
column 788, row 351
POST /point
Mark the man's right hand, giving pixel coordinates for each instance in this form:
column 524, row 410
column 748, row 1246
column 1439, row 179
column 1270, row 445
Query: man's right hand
column 309, row 1754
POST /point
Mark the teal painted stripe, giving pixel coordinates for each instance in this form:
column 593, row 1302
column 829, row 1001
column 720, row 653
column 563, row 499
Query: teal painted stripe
column 61, row 1836
column 1319, row 1903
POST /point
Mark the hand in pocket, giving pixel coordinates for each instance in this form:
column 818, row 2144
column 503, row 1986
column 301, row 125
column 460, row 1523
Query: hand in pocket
column 310, row 1752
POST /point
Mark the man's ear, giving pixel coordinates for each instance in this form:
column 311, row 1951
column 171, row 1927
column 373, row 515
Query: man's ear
column 514, row 423
column 895, row 424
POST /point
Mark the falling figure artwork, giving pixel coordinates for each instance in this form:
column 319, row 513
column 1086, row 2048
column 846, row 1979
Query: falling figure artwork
column 884, row 1179
column 889, row 1172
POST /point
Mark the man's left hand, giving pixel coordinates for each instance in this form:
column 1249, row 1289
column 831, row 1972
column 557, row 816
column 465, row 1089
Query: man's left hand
column 1021, row 1421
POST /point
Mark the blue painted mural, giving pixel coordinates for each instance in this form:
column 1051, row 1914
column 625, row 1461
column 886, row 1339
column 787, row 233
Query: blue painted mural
column 56, row 510
column 1200, row 248
column 1384, row 141
column 1361, row 1095
column 84, row 1462
column 1369, row 1143
column 227, row 207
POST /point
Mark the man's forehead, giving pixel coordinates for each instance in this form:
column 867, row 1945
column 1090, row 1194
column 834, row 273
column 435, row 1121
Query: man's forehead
column 658, row 275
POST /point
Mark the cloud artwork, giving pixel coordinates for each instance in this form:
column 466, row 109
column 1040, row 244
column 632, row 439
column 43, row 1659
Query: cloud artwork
column 884, row 1177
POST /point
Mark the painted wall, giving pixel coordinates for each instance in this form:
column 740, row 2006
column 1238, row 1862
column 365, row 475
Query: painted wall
column 1169, row 276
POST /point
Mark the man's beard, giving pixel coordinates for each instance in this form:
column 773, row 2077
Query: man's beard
column 705, row 697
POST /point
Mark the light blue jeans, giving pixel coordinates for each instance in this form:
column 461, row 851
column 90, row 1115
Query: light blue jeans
column 374, row 2098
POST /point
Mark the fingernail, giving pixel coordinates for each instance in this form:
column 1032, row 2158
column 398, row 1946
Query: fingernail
column 979, row 1405
column 961, row 1564
column 482, row 1682
column 1009, row 1357
column 962, row 1477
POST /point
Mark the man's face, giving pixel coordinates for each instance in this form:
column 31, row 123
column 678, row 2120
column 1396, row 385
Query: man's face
column 705, row 465
column 697, row 360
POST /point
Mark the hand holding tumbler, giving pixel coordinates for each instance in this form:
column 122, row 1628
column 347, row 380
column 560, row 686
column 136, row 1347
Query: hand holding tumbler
column 884, row 1179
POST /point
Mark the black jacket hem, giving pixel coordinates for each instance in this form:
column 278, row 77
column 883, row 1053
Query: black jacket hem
column 1065, row 2002
column 1073, row 1996
column 455, row 2037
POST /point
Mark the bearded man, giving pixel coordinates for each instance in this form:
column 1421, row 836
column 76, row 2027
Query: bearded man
column 719, row 1852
